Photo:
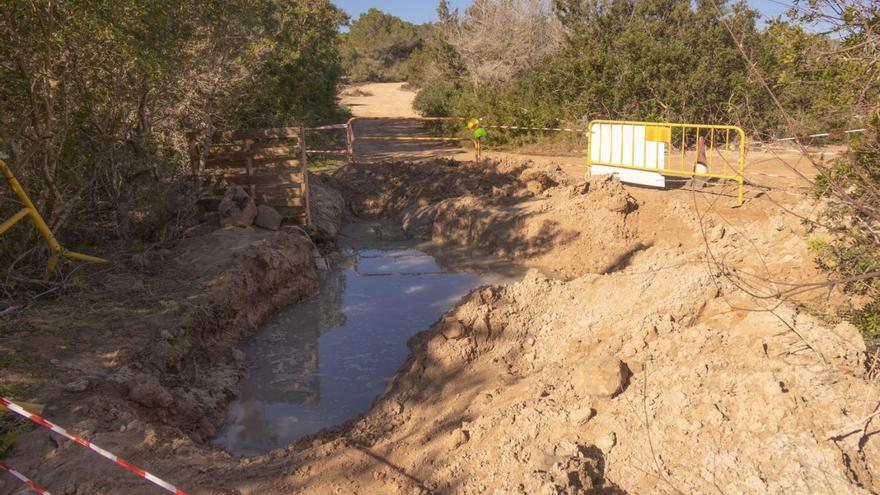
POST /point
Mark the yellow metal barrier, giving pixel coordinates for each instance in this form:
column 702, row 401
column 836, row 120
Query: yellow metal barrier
column 30, row 210
column 689, row 150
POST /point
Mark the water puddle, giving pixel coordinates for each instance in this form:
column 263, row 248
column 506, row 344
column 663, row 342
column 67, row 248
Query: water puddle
column 322, row 362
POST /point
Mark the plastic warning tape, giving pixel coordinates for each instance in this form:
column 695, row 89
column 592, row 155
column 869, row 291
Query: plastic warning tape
column 826, row 134
column 4, row 402
column 812, row 136
column 24, row 479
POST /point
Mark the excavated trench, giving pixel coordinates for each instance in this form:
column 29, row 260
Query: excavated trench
column 322, row 362
column 622, row 361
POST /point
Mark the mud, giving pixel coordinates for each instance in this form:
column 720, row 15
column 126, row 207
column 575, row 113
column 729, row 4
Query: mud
column 646, row 352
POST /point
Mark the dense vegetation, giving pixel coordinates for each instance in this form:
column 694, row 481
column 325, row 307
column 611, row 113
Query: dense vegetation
column 96, row 95
column 630, row 59
column 382, row 47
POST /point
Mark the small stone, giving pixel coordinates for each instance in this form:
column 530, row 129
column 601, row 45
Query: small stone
column 238, row 355
column 778, row 223
column 108, row 334
column 460, row 437
column 454, row 330
column 77, row 386
column 600, row 376
column 582, row 415
column 606, row 442
column 147, row 391
column 54, row 362
column 166, row 335
column 237, row 209
column 717, row 233
column 268, row 218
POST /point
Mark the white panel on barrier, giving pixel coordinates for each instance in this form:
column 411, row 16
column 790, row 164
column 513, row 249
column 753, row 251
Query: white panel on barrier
column 618, row 144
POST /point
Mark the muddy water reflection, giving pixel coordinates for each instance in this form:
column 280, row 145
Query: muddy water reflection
column 323, row 362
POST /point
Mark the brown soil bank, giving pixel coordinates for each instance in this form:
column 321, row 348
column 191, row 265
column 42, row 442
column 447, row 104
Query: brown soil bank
column 633, row 360
column 143, row 361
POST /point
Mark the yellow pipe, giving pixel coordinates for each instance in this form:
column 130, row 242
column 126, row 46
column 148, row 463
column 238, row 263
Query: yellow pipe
column 39, row 224
column 85, row 257
column 669, row 171
column 14, row 220
column 402, row 138
column 590, row 149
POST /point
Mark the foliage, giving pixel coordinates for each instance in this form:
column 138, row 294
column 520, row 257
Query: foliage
column 96, row 97
column 853, row 253
column 498, row 40
column 852, row 184
column 656, row 60
column 383, row 47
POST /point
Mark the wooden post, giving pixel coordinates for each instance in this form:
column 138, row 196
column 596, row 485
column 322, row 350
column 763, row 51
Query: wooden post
column 249, row 165
column 304, row 162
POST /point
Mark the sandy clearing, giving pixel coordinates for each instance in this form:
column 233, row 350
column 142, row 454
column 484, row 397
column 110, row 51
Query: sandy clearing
column 380, row 100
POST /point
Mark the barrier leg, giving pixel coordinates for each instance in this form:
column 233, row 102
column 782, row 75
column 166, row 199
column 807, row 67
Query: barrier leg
column 40, row 224
column 14, row 220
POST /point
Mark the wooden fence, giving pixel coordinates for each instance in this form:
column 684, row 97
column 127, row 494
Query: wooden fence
column 271, row 164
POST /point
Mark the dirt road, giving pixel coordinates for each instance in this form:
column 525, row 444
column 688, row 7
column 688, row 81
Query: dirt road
column 379, row 100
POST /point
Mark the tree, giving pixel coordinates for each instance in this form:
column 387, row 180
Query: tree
column 379, row 46
column 498, row 40
column 96, row 96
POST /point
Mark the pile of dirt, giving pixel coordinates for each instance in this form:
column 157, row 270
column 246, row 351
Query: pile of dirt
column 387, row 189
column 639, row 381
column 539, row 386
column 328, row 208
column 512, row 210
column 638, row 358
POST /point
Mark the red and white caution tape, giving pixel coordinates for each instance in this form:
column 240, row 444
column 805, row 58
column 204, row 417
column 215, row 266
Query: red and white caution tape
column 4, row 402
column 813, row 136
column 825, row 134
column 328, row 152
column 24, row 479
column 328, row 127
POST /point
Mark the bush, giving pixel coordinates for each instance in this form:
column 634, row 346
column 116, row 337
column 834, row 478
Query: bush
column 382, row 47
column 96, row 98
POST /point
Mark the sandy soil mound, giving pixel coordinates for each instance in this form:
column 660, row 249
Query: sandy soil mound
column 639, row 381
column 512, row 210
column 632, row 361
column 553, row 387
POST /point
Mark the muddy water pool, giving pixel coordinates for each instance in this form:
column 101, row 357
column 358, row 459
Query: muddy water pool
column 320, row 363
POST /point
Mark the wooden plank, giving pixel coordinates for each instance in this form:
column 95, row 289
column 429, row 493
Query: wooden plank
column 257, row 153
column 292, row 212
column 265, row 184
column 292, row 133
column 290, row 162
column 277, row 180
column 249, row 165
column 279, row 202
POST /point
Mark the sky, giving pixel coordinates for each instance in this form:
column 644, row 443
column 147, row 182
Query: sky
column 422, row 11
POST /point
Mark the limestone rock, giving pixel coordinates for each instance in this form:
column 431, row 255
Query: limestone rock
column 77, row 386
column 237, row 209
column 148, row 392
column 453, row 329
column 600, row 376
column 268, row 218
